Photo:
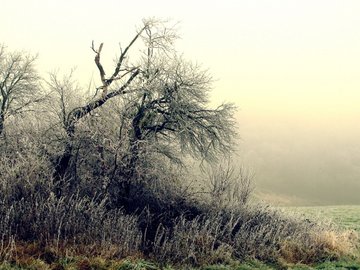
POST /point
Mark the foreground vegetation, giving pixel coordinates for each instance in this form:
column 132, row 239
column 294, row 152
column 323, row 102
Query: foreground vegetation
column 99, row 263
column 100, row 182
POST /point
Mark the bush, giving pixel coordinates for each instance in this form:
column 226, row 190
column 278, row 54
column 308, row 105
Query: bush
column 31, row 212
column 251, row 232
column 161, row 218
column 196, row 241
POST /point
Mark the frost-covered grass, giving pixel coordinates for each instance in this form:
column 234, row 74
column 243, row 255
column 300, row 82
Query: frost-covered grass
column 346, row 216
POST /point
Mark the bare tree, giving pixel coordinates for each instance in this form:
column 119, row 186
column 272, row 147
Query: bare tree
column 165, row 108
column 169, row 112
column 168, row 116
column 228, row 186
column 117, row 84
column 65, row 96
column 19, row 84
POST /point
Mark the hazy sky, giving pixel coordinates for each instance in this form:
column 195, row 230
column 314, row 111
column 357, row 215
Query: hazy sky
column 292, row 67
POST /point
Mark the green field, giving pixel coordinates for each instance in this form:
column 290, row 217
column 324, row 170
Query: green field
column 346, row 216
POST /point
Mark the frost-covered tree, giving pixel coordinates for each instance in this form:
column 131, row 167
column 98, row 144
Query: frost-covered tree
column 19, row 84
column 165, row 105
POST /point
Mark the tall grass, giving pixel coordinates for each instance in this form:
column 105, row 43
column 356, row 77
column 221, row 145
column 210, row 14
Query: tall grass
column 253, row 232
column 30, row 212
column 166, row 224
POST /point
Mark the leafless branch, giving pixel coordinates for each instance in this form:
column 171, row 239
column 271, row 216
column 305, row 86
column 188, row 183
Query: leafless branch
column 80, row 112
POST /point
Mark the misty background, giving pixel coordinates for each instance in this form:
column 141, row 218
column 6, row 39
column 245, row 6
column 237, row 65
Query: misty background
column 292, row 68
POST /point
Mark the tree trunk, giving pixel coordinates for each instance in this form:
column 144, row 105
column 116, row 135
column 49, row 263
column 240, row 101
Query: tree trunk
column 64, row 174
column 122, row 187
column 2, row 119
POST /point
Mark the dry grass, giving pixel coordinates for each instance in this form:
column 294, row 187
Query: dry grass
column 35, row 223
column 192, row 242
column 30, row 212
column 254, row 232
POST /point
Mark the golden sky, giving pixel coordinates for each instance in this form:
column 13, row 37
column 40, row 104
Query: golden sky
column 291, row 66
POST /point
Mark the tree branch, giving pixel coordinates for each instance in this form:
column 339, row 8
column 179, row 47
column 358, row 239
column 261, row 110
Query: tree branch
column 123, row 56
column 100, row 67
column 80, row 112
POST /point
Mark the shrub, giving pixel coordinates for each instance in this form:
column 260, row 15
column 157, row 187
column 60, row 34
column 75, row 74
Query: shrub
column 31, row 212
column 196, row 241
column 251, row 232
column 161, row 219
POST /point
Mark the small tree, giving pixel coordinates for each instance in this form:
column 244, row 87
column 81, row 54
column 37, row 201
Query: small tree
column 19, row 84
column 118, row 84
column 165, row 106
column 65, row 96
column 168, row 116
column 229, row 187
column 169, row 112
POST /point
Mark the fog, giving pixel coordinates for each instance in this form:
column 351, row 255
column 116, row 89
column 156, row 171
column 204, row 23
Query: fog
column 302, row 160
